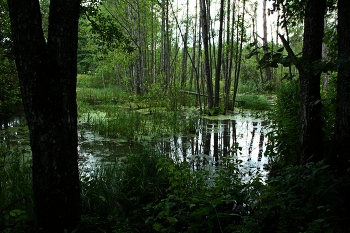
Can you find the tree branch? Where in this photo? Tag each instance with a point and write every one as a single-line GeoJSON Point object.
{"type": "Point", "coordinates": [290, 52]}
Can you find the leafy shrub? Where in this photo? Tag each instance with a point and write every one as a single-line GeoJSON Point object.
{"type": "Point", "coordinates": [300, 198]}
{"type": "Point", "coordinates": [200, 200]}
{"type": "Point", "coordinates": [10, 98]}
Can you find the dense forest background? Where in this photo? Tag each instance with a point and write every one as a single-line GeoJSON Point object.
{"type": "Point", "coordinates": [62, 59]}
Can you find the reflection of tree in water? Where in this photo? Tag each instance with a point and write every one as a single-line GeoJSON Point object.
{"type": "Point", "coordinates": [250, 148]}
{"type": "Point", "coordinates": [226, 138]}
{"type": "Point", "coordinates": [214, 140]}
{"type": "Point", "coordinates": [261, 145]}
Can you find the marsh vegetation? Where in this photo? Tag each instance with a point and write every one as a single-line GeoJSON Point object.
{"type": "Point", "coordinates": [185, 117]}
{"type": "Point", "coordinates": [146, 166]}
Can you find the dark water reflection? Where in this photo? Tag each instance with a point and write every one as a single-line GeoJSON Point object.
{"type": "Point", "coordinates": [210, 142]}
{"type": "Point", "coordinates": [217, 139]}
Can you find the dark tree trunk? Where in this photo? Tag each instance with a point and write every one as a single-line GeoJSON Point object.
{"type": "Point", "coordinates": [167, 46]}
{"type": "Point", "coordinates": [47, 73]}
{"type": "Point", "coordinates": [265, 44]}
{"type": "Point", "coordinates": [185, 50]}
{"type": "Point", "coordinates": [257, 58]}
{"type": "Point", "coordinates": [238, 58]}
{"type": "Point", "coordinates": [229, 52]}
{"type": "Point", "coordinates": [311, 131]}
{"type": "Point", "coordinates": [342, 123]}
{"type": "Point", "coordinates": [218, 64]}
{"type": "Point", "coordinates": [205, 35]}
{"type": "Point", "coordinates": [193, 70]}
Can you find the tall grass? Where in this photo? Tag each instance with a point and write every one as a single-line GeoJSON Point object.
{"type": "Point", "coordinates": [132, 125]}
{"type": "Point", "coordinates": [114, 194]}
{"type": "Point", "coordinates": [285, 138]}
{"type": "Point", "coordinates": [254, 102]}
{"type": "Point", "coordinates": [128, 125]}
{"type": "Point", "coordinates": [16, 203]}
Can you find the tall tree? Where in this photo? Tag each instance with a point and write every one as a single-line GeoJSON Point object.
{"type": "Point", "coordinates": [255, 41]}
{"type": "Point", "coordinates": [47, 70]}
{"type": "Point", "coordinates": [166, 42]}
{"type": "Point", "coordinates": [238, 56]}
{"type": "Point", "coordinates": [342, 123]}
{"type": "Point", "coordinates": [205, 35]}
{"type": "Point", "coordinates": [219, 57]}
{"type": "Point", "coordinates": [193, 70]}
{"type": "Point", "coordinates": [185, 49]}
{"type": "Point", "coordinates": [310, 98]}
{"type": "Point", "coordinates": [265, 44]}
{"type": "Point", "coordinates": [228, 51]}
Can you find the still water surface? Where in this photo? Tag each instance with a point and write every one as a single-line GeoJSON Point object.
{"type": "Point", "coordinates": [213, 139]}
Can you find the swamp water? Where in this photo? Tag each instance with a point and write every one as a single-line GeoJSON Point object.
{"type": "Point", "coordinates": [213, 139]}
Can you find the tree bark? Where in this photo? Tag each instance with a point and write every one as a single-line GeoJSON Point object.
{"type": "Point", "coordinates": [47, 73]}
{"type": "Point", "coordinates": [166, 45]}
{"type": "Point", "coordinates": [229, 52]}
{"type": "Point", "coordinates": [205, 35]}
{"type": "Point", "coordinates": [193, 70]}
{"type": "Point", "coordinates": [218, 64]}
{"type": "Point", "coordinates": [238, 58]}
{"type": "Point", "coordinates": [185, 50]}
{"type": "Point", "coordinates": [257, 58]}
{"type": "Point", "coordinates": [265, 44]}
{"type": "Point", "coordinates": [342, 122]}
{"type": "Point", "coordinates": [310, 98]}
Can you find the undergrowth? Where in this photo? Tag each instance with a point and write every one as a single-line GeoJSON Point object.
{"type": "Point", "coordinates": [148, 192]}
{"type": "Point", "coordinates": [16, 194]}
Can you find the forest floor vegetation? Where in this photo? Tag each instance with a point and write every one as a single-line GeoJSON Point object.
{"type": "Point", "coordinates": [149, 191]}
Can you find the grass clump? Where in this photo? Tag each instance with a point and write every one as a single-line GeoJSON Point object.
{"type": "Point", "coordinates": [285, 136]}
{"type": "Point", "coordinates": [127, 125]}
{"type": "Point", "coordinates": [114, 194]}
{"type": "Point", "coordinates": [253, 102]}
{"type": "Point", "coordinates": [133, 125]}
{"type": "Point", "coordinates": [16, 203]}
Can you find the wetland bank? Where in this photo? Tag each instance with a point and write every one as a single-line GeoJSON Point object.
{"type": "Point", "coordinates": [158, 164]}
{"type": "Point", "coordinates": [184, 135]}
{"type": "Point", "coordinates": [135, 154]}
{"type": "Point", "coordinates": [151, 160]}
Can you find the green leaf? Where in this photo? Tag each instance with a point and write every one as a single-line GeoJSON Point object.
{"type": "Point", "coordinates": [172, 220]}
{"type": "Point", "coordinates": [319, 220]}
{"type": "Point", "coordinates": [103, 198]}
{"type": "Point", "coordinates": [157, 226]}
{"type": "Point", "coordinates": [16, 212]}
